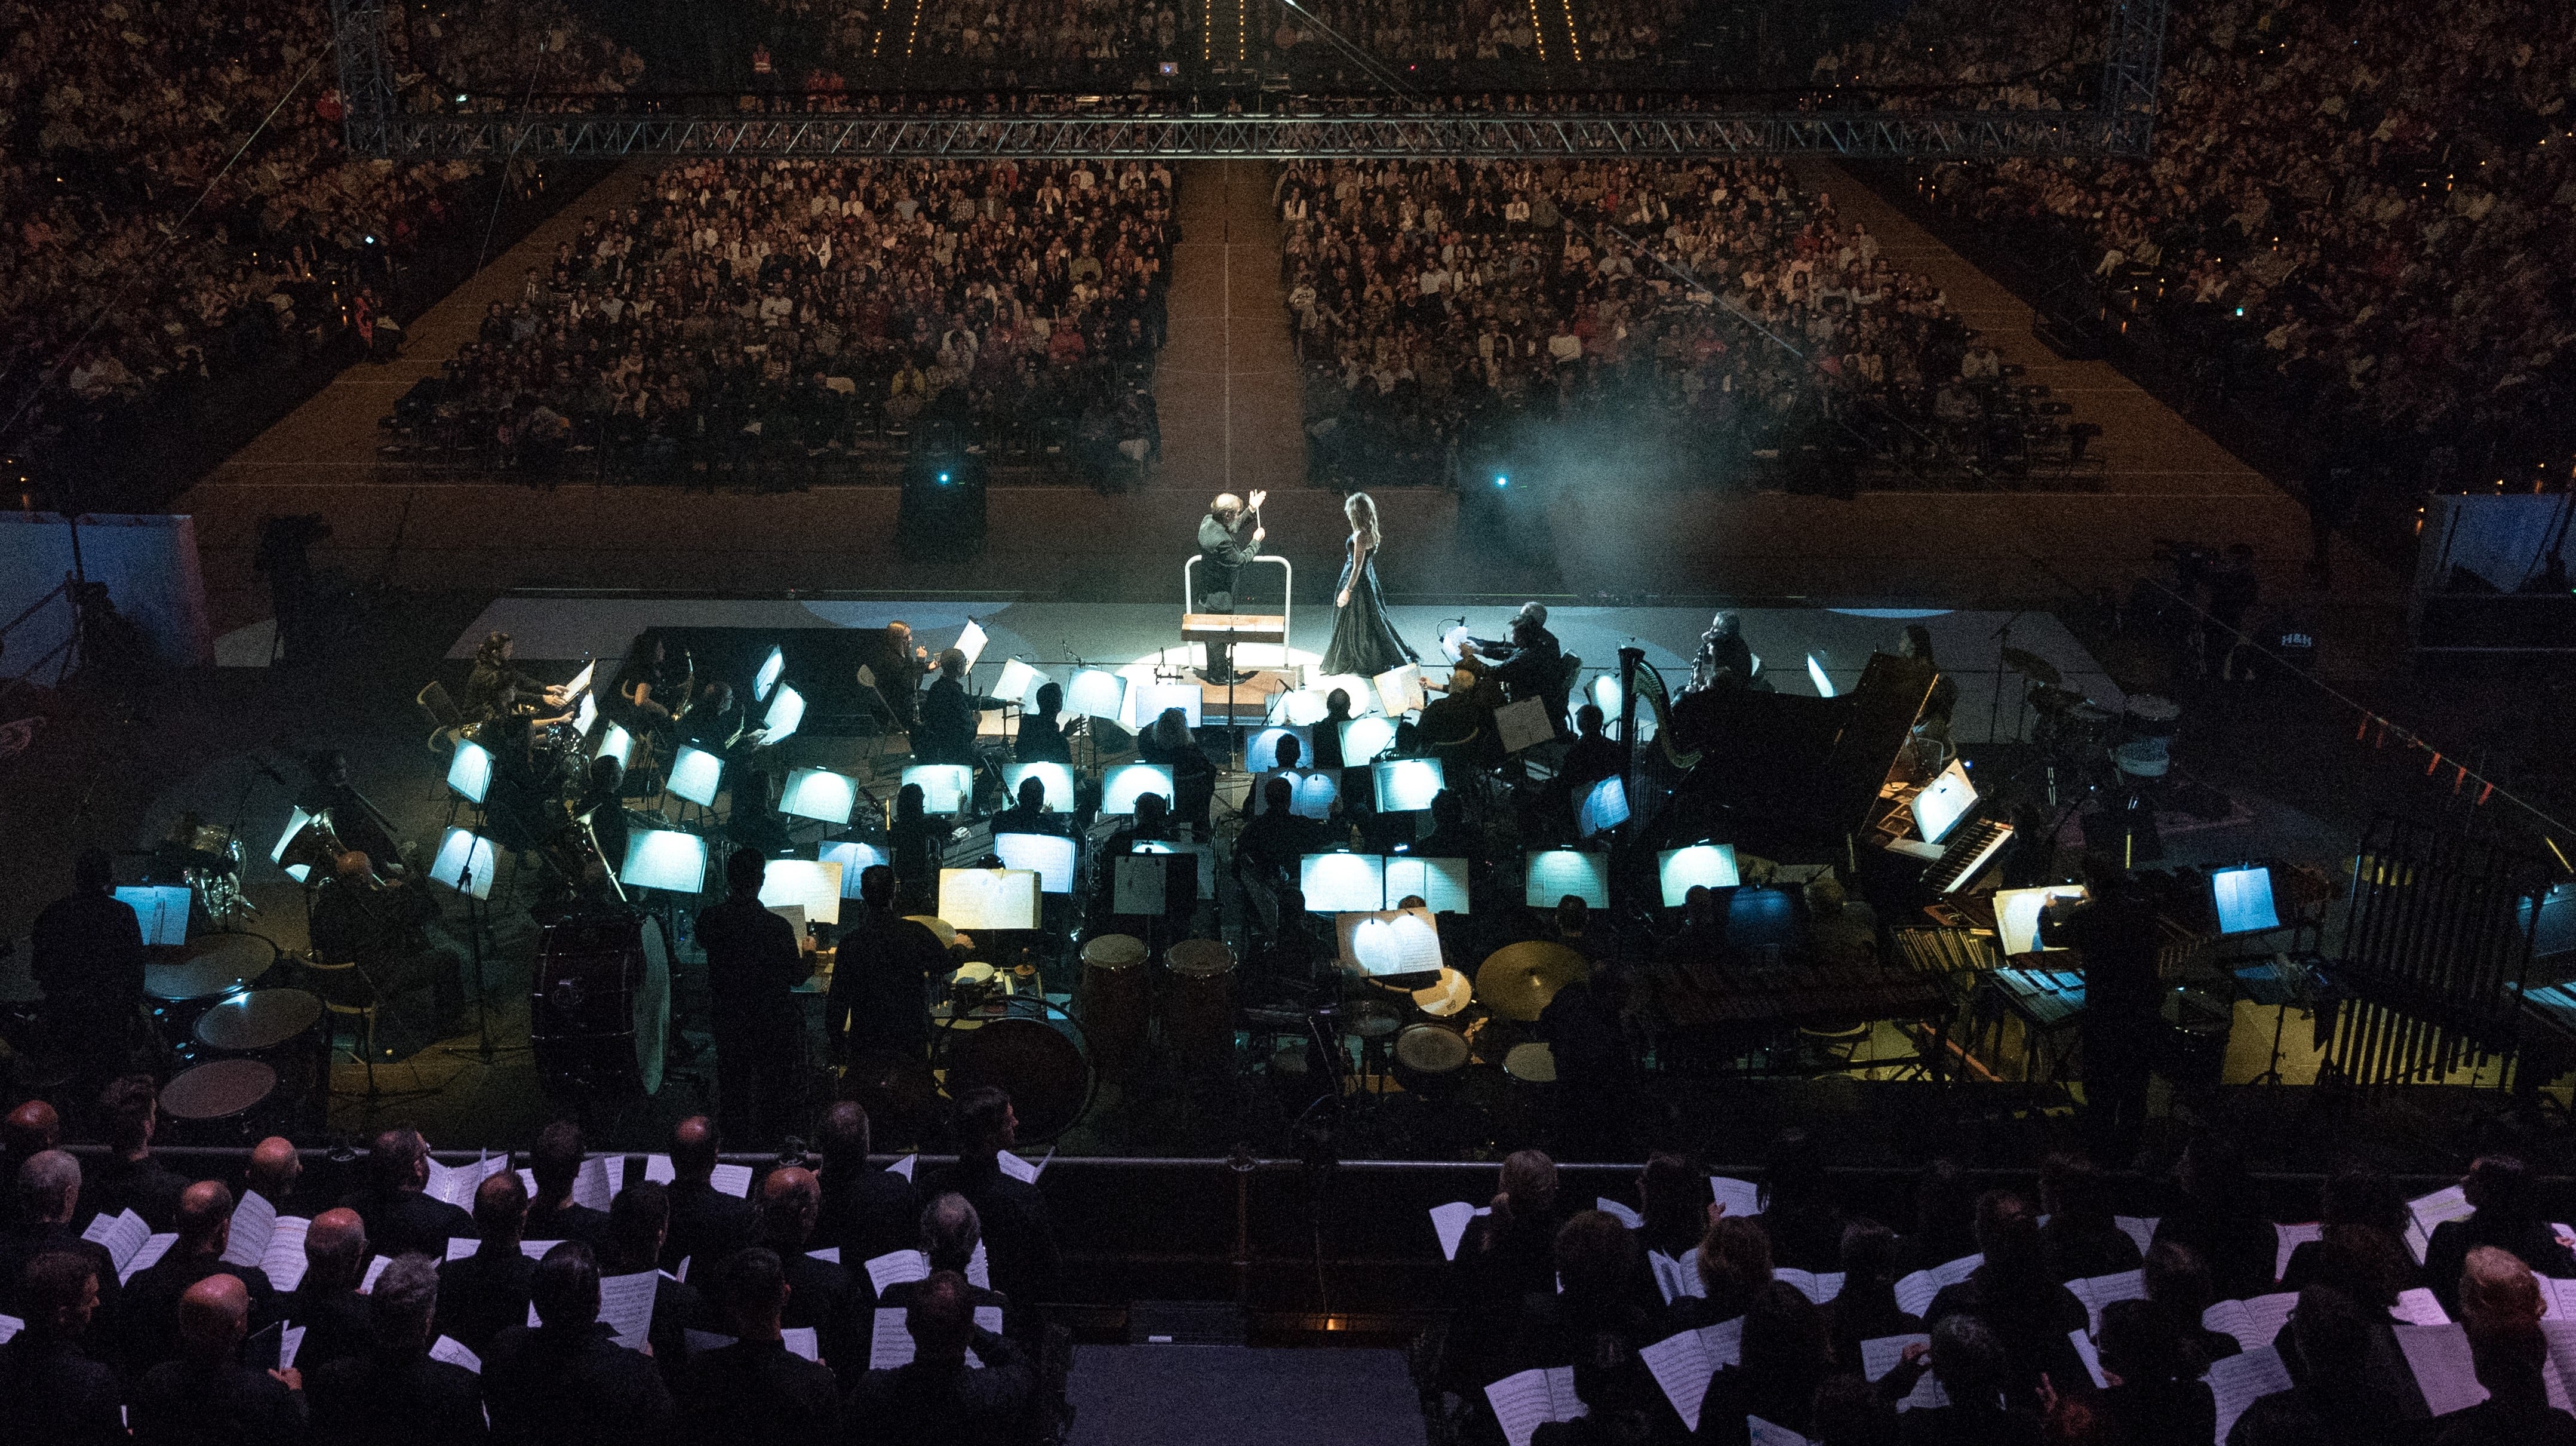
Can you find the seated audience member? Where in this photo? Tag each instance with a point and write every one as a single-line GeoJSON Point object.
{"type": "Point", "coordinates": [2507, 1216]}
{"type": "Point", "coordinates": [148, 1318]}
{"type": "Point", "coordinates": [2327, 1347]}
{"type": "Point", "coordinates": [638, 1227]}
{"type": "Point", "coordinates": [392, 1393]}
{"type": "Point", "coordinates": [1019, 1234]}
{"type": "Point", "coordinates": [706, 1223]}
{"type": "Point", "coordinates": [1786, 1355]}
{"type": "Point", "coordinates": [1798, 1208]}
{"type": "Point", "coordinates": [2221, 1218]}
{"type": "Point", "coordinates": [1503, 1257]}
{"type": "Point", "coordinates": [2011, 1293]}
{"type": "Point", "coordinates": [25, 1132]}
{"type": "Point", "coordinates": [2178, 1287]}
{"type": "Point", "coordinates": [2080, 1240]}
{"type": "Point", "coordinates": [754, 1390]}
{"type": "Point", "coordinates": [480, 1293]}
{"type": "Point", "coordinates": [337, 1321]}
{"type": "Point", "coordinates": [1734, 1266]}
{"type": "Point", "coordinates": [206, 1394]}
{"type": "Point", "coordinates": [401, 1219]}
{"type": "Point", "coordinates": [555, 1163]}
{"type": "Point", "coordinates": [48, 1190]}
{"type": "Point", "coordinates": [1945, 1219]}
{"type": "Point", "coordinates": [130, 1178]}
{"type": "Point", "coordinates": [1865, 1309]}
{"type": "Point", "coordinates": [2362, 1251]}
{"type": "Point", "coordinates": [50, 1389]}
{"type": "Point", "coordinates": [2500, 1308]}
{"type": "Point", "coordinates": [274, 1174]}
{"type": "Point", "coordinates": [1672, 1198]}
{"type": "Point", "coordinates": [566, 1381]}
{"type": "Point", "coordinates": [867, 1211]}
{"type": "Point", "coordinates": [821, 1296]}
{"type": "Point", "coordinates": [1975, 1374]}
{"type": "Point", "coordinates": [2155, 1397]}
{"type": "Point", "coordinates": [939, 1397]}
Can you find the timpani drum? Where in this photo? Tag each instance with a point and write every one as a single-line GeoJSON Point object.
{"type": "Point", "coordinates": [1116, 1001]}
{"type": "Point", "coordinates": [1198, 1010]}
{"type": "Point", "coordinates": [220, 1099]}
{"type": "Point", "coordinates": [210, 968]}
{"type": "Point", "coordinates": [1430, 1060]}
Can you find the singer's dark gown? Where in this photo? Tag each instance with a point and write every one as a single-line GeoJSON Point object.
{"type": "Point", "coordinates": [1364, 642]}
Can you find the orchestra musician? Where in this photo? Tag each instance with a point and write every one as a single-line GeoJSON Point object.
{"type": "Point", "coordinates": [1041, 737]}
{"type": "Point", "coordinates": [1169, 741]}
{"type": "Point", "coordinates": [651, 693]}
{"type": "Point", "coordinates": [494, 674]}
{"type": "Point", "coordinates": [948, 715]}
{"type": "Point", "coordinates": [898, 665]}
{"type": "Point", "coordinates": [356, 822]}
{"type": "Point", "coordinates": [1530, 664]}
{"type": "Point", "coordinates": [1937, 709]}
{"type": "Point", "coordinates": [519, 806]}
{"type": "Point", "coordinates": [1029, 814]}
{"type": "Point", "coordinates": [383, 928]}
{"type": "Point", "coordinates": [1229, 536]}
{"type": "Point", "coordinates": [715, 720]}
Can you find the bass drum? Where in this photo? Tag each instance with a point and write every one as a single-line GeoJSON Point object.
{"type": "Point", "coordinates": [601, 1013]}
{"type": "Point", "coordinates": [1038, 1061]}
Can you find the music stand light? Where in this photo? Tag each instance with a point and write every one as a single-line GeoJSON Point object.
{"type": "Point", "coordinates": [1554, 873]}
{"type": "Point", "coordinates": [855, 857]}
{"type": "Point", "coordinates": [1391, 941]}
{"type": "Point", "coordinates": [1363, 739]}
{"type": "Point", "coordinates": [469, 777]}
{"type": "Point", "coordinates": [1604, 808]}
{"type": "Point", "coordinates": [816, 886]}
{"type": "Point", "coordinates": [1299, 707]}
{"type": "Point", "coordinates": [1406, 785]}
{"type": "Point", "coordinates": [1096, 693]}
{"type": "Point", "coordinates": [1441, 884]}
{"type": "Point", "coordinates": [695, 775]}
{"type": "Point", "coordinates": [1127, 782]}
{"type": "Point", "coordinates": [458, 850]}
{"type": "Point", "coordinates": [1057, 778]}
{"type": "Point", "coordinates": [770, 669]}
{"type": "Point", "coordinates": [1695, 866]}
{"type": "Point", "coordinates": [665, 859]}
{"type": "Point", "coordinates": [944, 787]}
{"type": "Point", "coordinates": [819, 794]}
{"type": "Point", "coordinates": [786, 710]}
{"type": "Point", "coordinates": [1049, 856]}
{"type": "Point", "coordinates": [616, 743]}
{"type": "Point", "coordinates": [1340, 883]}
{"type": "Point", "coordinates": [1607, 697]}
{"type": "Point", "coordinates": [1261, 755]}
{"type": "Point", "coordinates": [1019, 683]}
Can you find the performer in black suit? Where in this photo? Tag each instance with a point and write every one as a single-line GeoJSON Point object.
{"type": "Point", "coordinates": [1229, 536]}
{"type": "Point", "coordinates": [1530, 665]}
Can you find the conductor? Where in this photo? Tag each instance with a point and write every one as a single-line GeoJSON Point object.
{"type": "Point", "coordinates": [1229, 536]}
{"type": "Point", "coordinates": [88, 958]}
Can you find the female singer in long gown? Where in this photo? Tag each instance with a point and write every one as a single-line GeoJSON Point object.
{"type": "Point", "coordinates": [1364, 642]}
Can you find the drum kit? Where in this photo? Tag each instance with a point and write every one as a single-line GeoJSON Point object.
{"type": "Point", "coordinates": [2077, 737]}
{"type": "Point", "coordinates": [1421, 1034]}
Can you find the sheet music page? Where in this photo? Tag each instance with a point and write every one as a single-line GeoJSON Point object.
{"type": "Point", "coordinates": [734, 1180]}
{"type": "Point", "coordinates": [2239, 1381]}
{"type": "Point", "coordinates": [979, 1268]}
{"type": "Point", "coordinates": [626, 1304]}
{"type": "Point", "coordinates": [1441, 883]}
{"type": "Point", "coordinates": [698, 1341]}
{"type": "Point", "coordinates": [461, 1246]}
{"type": "Point", "coordinates": [2439, 1357]}
{"type": "Point", "coordinates": [2142, 1229]}
{"type": "Point", "coordinates": [284, 1260]}
{"type": "Point", "coordinates": [1137, 884]}
{"type": "Point", "coordinates": [1818, 1287]}
{"type": "Point", "coordinates": [1880, 1356]}
{"type": "Point", "coordinates": [1525, 1402]}
{"type": "Point", "coordinates": [1764, 1433]}
{"type": "Point", "coordinates": [1395, 942]}
{"type": "Point", "coordinates": [1619, 1212]}
{"type": "Point", "coordinates": [903, 1166]}
{"type": "Point", "coordinates": [2432, 1210]}
{"type": "Point", "coordinates": [123, 1235]}
{"type": "Point", "coordinates": [890, 1342]}
{"type": "Point", "coordinates": [153, 1249]}
{"type": "Point", "coordinates": [1915, 1292]}
{"type": "Point", "coordinates": [2290, 1238]}
{"type": "Point", "coordinates": [1676, 1278]}
{"type": "Point", "coordinates": [2418, 1307]}
{"type": "Point", "coordinates": [1450, 1221]}
{"type": "Point", "coordinates": [448, 1349]}
{"type": "Point", "coordinates": [2092, 1358]}
{"type": "Point", "coordinates": [1740, 1197]}
{"type": "Point", "coordinates": [596, 1183]}
{"type": "Point", "coordinates": [1317, 791]}
{"type": "Point", "coordinates": [802, 1341]}
{"type": "Point", "coordinates": [456, 1184]}
{"type": "Point", "coordinates": [896, 1267]}
{"type": "Point", "coordinates": [1522, 725]}
{"type": "Point", "coordinates": [657, 1169]}
{"type": "Point", "coordinates": [1399, 689]}
{"type": "Point", "coordinates": [254, 1221]}
{"type": "Point", "coordinates": [289, 1341]}
{"type": "Point", "coordinates": [831, 1253]}
{"type": "Point", "coordinates": [2100, 1290]}
{"type": "Point", "coordinates": [1021, 1170]}
{"type": "Point", "coordinates": [10, 1325]}
{"type": "Point", "coordinates": [1680, 1364]}
{"type": "Point", "coordinates": [375, 1267]}
{"type": "Point", "coordinates": [2253, 1322]}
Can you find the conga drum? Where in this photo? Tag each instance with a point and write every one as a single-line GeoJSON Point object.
{"type": "Point", "coordinates": [1116, 1001]}
{"type": "Point", "coordinates": [1198, 1012]}
{"type": "Point", "coordinates": [1430, 1060]}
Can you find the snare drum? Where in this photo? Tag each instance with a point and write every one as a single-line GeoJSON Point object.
{"type": "Point", "coordinates": [1430, 1060]}
{"type": "Point", "coordinates": [221, 1099]}
{"type": "Point", "coordinates": [1115, 1002]}
{"type": "Point", "coordinates": [1198, 1010]}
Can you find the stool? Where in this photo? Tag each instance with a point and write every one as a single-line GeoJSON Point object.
{"type": "Point", "coordinates": [340, 986]}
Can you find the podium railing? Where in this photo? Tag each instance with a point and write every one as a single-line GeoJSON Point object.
{"type": "Point", "coordinates": [1287, 592]}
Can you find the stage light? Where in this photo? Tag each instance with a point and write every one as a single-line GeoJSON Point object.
{"type": "Point", "coordinates": [470, 776]}
{"type": "Point", "coordinates": [1502, 481]}
{"type": "Point", "coordinates": [1342, 883]}
{"type": "Point", "coordinates": [989, 898]}
{"type": "Point", "coordinates": [1406, 785]}
{"type": "Point", "coordinates": [1607, 697]}
{"type": "Point", "coordinates": [1698, 866]}
{"type": "Point", "coordinates": [1057, 779]}
{"type": "Point", "coordinates": [1049, 856]}
{"type": "Point", "coordinates": [616, 743]}
{"type": "Point", "coordinates": [855, 858]}
{"type": "Point", "coordinates": [1363, 739]}
{"type": "Point", "coordinates": [820, 794]}
{"type": "Point", "coordinates": [1604, 808]}
{"type": "Point", "coordinates": [1124, 784]}
{"type": "Point", "coordinates": [1554, 873]}
{"type": "Point", "coordinates": [944, 787]}
{"type": "Point", "coordinates": [813, 885]}
{"type": "Point", "coordinates": [943, 477]}
{"type": "Point", "coordinates": [1816, 675]}
{"type": "Point", "coordinates": [666, 859]}
{"type": "Point", "coordinates": [785, 711]}
{"type": "Point", "coordinates": [2244, 900]}
{"type": "Point", "coordinates": [767, 677]}
{"type": "Point", "coordinates": [1096, 693]}
{"type": "Point", "coordinates": [695, 775]}
{"type": "Point", "coordinates": [460, 850]}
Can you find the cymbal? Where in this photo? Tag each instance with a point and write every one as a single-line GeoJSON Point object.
{"type": "Point", "coordinates": [2032, 666]}
{"type": "Point", "coordinates": [1518, 980]}
{"type": "Point", "coordinates": [2048, 699]}
{"type": "Point", "coordinates": [1446, 997]}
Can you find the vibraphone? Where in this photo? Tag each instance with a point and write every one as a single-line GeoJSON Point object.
{"type": "Point", "coordinates": [1717, 1015]}
{"type": "Point", "coordinates": [2047, 1002]}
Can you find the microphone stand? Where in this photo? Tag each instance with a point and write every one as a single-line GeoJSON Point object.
{"type": "Point", "coordinates": [1995, 704]}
